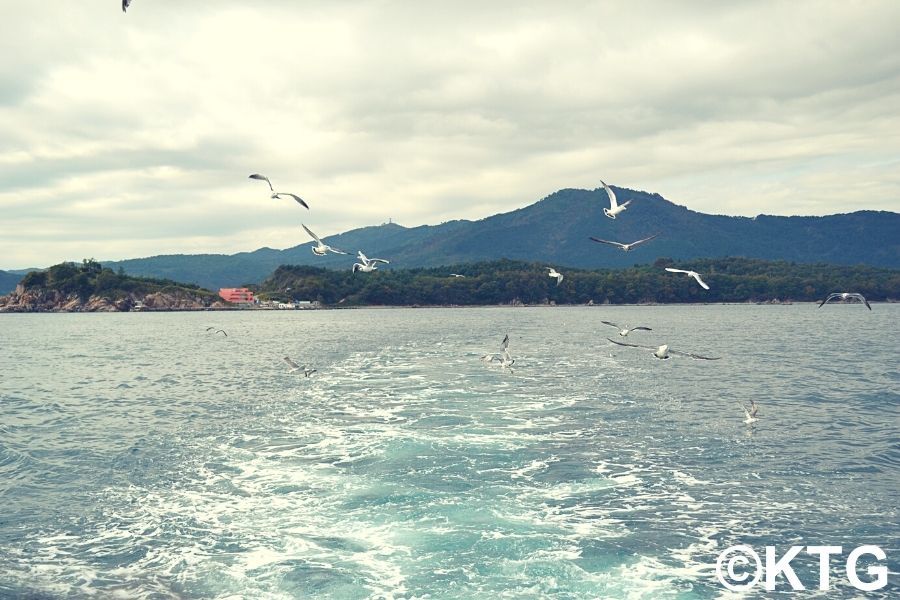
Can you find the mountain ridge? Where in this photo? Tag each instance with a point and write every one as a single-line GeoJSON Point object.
{"type": "Point", "coordinates": [556, 230]}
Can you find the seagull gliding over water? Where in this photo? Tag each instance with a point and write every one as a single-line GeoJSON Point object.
{"type": "Point", "coordinates": [295, 367]}
{"type": "Point", "coordinates": [693, 274]}
{"type": "Point", "coordinates": [663, 352]}
{"type": "Point", "coordinates": [624, 331]}
{"type": "Point", "coordinates": [844, 297]}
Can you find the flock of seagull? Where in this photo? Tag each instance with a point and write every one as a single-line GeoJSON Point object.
{"type": "Point", "coordinates": [662, 352]}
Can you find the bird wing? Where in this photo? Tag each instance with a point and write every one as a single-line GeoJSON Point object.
{"type": "Point", "coordinates": [381, 260]}
{"type": "Point", "coordinates": [632, 244]}
{"type": "Point", "coordinates": [295, 197]}
{"type": "Point", "coordinates": [210, 327]}
{"type": "Point", "coordinates": [262, 178]}
{"type": "Point", "coordinates": [613, 203]}
{"type": "Point", "coordinates": [641, 329]}
{"type": "Point", "coordinates": [505, 343]}
{"type": "Point", "coordinates": [356, 267]}
{"type": "Point", "coordinates": [335, 250]}
{"type": "Point", "coordinates": [700, 281]}
{"type": "Point", "coordinates": [291, 363]}
{"type": "Point", "coordinates": [362, 257]}
{"type": "Point", "coordinates": [611, 324]}
{"type": "Point", "coordinates": [861, 298]}
{"type": "Point", "coordinates": [830, 297]}
{"type": "Point", "coordinates": [671, 270]}
{"type": "Point", "coordinates": [125, 4]}
{"type": "Point", "coordinates": [222, 331]}
{"type": "Point", "coordinates": [599, 241]}
{"type": "Point", "coordinates": [632, 345]}
{"type": "Point", "coordinates": [311, 234]}
{"type": "Point", "coordinates": [697, 356]}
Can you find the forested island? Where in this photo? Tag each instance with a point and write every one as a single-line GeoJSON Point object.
{"type": "Point", "coordinates": [89, 287]}
{"type": "Point", "coordinates": [512, 282]}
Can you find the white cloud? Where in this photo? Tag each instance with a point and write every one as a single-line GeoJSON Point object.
{"type": "Point", "coordinates": [130, 135]}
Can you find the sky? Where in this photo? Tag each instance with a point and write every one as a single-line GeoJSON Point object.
{"type": "Point", "coordinates": [131, 135]}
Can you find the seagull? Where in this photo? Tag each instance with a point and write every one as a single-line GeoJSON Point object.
{"type": "Point", "coordinates": [751, 413]}
{"type": "Point", "coordinates": [693, 274]}
{"type": "Point", "coordinates": [663, 352]}
{"type": "Point", "coordinates": [624, 331]}
{"type": "Point", "coordinates": [222, 331]}
{"type": "Point", "coordinates": [554, 273]}
{"type": "Point", "coordinates": [368, 264]}
{"type": "Point", "coordinates": [614, 207]}
{"type": "Point", "coordinates": [503, 357]}
{"type": "Point", "coordinates": [279, 194]}
{"type": "Point", "coordinates": [295, 367]}
{"type": "Point", "coordinates": [845, 296]}
{"type": "Point", "coordinates": [321, 248]}
{"type": "Point", "coordinates": [456, 275]}
{"type": "Point", "coordinates": [625, 247]}
{"type": "Point", "coordinates": [125, 4]}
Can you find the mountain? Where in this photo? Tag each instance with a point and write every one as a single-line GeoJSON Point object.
{"type": "Point", "coordinates": [555, 230]}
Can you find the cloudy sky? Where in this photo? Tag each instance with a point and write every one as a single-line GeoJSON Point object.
{"type": "Point", "coordinates": [127, 135]}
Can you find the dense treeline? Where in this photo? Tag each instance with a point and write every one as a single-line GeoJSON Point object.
{"type": "Point", "coordinates": [90, 278]}
{"type": "Point", "coordinates": [505, 281]}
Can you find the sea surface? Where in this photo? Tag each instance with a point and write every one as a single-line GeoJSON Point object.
{"type": "Point", "coordinates": [144, 457]}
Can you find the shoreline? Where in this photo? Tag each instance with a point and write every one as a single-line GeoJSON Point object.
{"type": "Point", "coordinates": [417, 307]}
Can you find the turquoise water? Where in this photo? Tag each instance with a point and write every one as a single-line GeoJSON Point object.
{"type": "Point", "coordinates": [141, 457]}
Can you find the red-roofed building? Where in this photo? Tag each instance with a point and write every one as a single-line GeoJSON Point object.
{"type": "Point", "coordinates": [237, 295]}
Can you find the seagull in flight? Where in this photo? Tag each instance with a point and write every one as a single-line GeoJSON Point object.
{"type": "Point", "coordinates": [663, 352]}
{"type": "Point", "coordinates": [275, 194]}
{"type": "Point", "coordinates": [554, 273]}
{"type": "Point", "coordinates": [457, 275]}
{"type": "Point", "coordinates": [624, 247]}
{"type": "Point", "coordinates": [503, 357]}
{"type": "Point", "coordinates": [750, 413]}
{"type": "Point", "coordinates": [125, 4]}
{"type": "Point", "coordinates": [844, 297]}
{"type": "Point", "coordinates": [367, 265]}
{"type": "Point", "coordinates": [295, 367]}
{"type": "Point", "coordinates": [624, 331]}
{"type": "Point", "coordinates": [614, 207]}
{"type": "Point", "coordinates": [222, 331]}
{"type": "Point", "coordinates": [321, 248]}
{"type": "Point", "coordinates": [693, 274]}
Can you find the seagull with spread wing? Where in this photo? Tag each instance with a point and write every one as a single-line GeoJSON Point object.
{"type": "Point", "coordinates": [321, 248]}
{"type": "Point", "coordinates": [125, 5]}
{"type": "Point", "coordinates": [624, 247]}
{"type": "Point", "coordinates": [846, 297]}
{"type": "Point", "coordinates": [295, 367]}
{"type": "Point", "coordinates": [367, 265]}
{"type": "Point", "coordinates": [554, 273]}
{"type": "Point", "coordinates": [624, 331]}
{"type": "Point", "coordinates": [614, 206]}
{"type": "Point", "coordinates": [275, 194]}
{"type": "Point", "coordinates": [693, 274]}
{"type": "Point", "coordinates": [663, 352]}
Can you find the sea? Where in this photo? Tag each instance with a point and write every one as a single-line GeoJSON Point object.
{"type": "Point", "coordinates": [144, 456]}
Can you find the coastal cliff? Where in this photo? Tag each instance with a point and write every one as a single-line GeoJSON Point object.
{"type": "Point", "coordinates": [88, 287]}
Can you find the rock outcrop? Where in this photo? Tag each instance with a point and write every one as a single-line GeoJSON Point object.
{"type": "Point", "coordinates": [40, 300]}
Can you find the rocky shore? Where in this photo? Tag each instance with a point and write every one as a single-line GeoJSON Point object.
{"type": "Point", "coordinates": [43, 300]}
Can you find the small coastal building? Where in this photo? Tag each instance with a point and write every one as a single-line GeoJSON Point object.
{"type": "Point", "coordinates": [237, 295]}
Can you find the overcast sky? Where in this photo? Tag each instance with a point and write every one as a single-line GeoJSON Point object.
{"type": "Point", "coordinates": [128, 135]}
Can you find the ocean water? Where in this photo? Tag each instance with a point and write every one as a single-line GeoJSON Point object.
{"type": "Point", "coordinates": [142, 457]}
